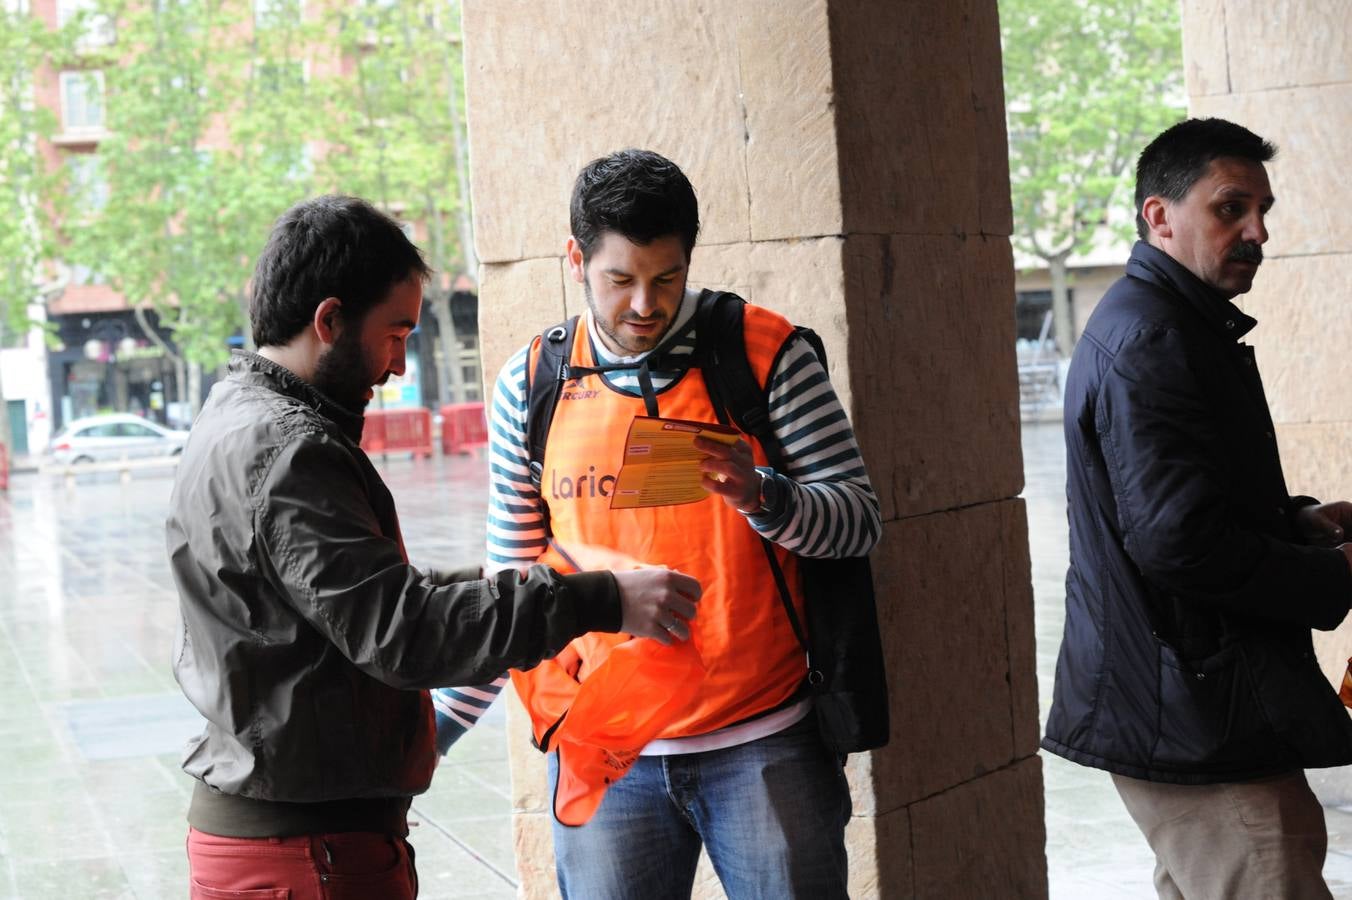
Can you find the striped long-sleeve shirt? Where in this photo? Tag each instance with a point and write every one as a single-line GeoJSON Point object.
{"type": "Point", "coordinates": [830, 509]}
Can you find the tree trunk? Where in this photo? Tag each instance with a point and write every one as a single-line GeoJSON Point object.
{"type": "Point", "coordinates": [461, 168]}
{"type": "Point", "coordinates": [1063, 318]}
{"type": "Point", "coordinates": [441, 308]}
{"type": "Point", "coordinates": [194, 389]}
{"type": "Point", "coordinates": [180, 382]}
{"type": "Point", "coordinates": [450, 351]}
{"type": "Point", "coordinates": [153, 336]}
{"type": "Point", "coordinates": [5, 437]}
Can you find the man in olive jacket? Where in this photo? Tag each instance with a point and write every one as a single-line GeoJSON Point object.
{"type": "Point", "coordinates": [1195, 577]}
{"type": "Point", "coordinates": [308, 642]}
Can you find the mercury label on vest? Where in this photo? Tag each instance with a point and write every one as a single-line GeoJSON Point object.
{"type": "Point", "coordinates": [579, 395]}
{"type": "Point", "coordinates": [587, 484]}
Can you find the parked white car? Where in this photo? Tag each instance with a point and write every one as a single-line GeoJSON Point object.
{"type": "Point", "coordinates": [113, 437]}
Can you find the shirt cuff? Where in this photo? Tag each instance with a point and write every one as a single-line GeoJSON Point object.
{"type": "Point", "coordinates": [448, 732]}
{"type": "Point", "coordinates": [596, 599]}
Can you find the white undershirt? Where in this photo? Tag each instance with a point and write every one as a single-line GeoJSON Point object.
{"type": "Point", "coordinates": [731, 736]}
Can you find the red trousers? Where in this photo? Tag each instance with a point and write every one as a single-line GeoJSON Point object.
{"type": "Point", "coordinates": [348, 866]}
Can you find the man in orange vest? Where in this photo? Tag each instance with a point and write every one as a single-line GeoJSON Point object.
{"type": "Point", "coordinates": [742, 771]}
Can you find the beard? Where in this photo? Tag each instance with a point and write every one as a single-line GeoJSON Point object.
{"type": "Point", "coordinates": [630, 344]}
{"type": "Point", "coordinates": [342, 374]}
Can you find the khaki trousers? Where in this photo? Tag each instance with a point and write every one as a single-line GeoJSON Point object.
{"type": "Point", "coordinates": [1263, 839]}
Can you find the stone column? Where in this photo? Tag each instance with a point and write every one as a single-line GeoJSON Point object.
{"type": "Point", "coordinates": [1284, 70]}
{"type": "Point", "coordinates": [850, 160]}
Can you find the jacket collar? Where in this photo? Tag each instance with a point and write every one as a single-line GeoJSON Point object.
{"type": "Point", "coordinates": [251, 367]}
{"type": "Point", "coordinates": [1153, 265]}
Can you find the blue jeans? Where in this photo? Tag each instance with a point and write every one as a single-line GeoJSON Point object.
{"type": "Point", "coordinates": [771, 814]}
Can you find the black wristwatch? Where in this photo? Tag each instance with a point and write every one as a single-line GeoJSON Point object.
{"type": "Point", "coordinates": [769, 493]}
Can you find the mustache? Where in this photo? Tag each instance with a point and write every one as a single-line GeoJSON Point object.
{"type": "Point", "coordinates": [1246, 251]}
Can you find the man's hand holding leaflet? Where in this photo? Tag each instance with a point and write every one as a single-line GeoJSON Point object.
{"type": "Point", "coordinates": [662, 464]}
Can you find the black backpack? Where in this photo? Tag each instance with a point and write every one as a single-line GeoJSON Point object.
{"type": "Point", "coordinates": [846, 678]}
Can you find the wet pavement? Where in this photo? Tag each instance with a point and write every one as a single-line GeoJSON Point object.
{"type": "Point", "coordinates": [92, 800]}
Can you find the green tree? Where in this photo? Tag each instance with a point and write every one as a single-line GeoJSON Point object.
{"type": "Point", "coordinates": [28, 190]}
{"type": "Point", "coordinates": [396, 131]}
{"type": "Point", "coordinates": [207, 117]}
{"type": "Point", "coordinates": [1087, 84]}
{"type": "Point", "coordinates": [220, 114]}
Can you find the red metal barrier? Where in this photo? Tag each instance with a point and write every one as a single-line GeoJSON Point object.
{"type": "Point", "coordinates": [463, 428]}
{"type": "Point", "coordinates": [4, 468]}
{"type": "Point", "coordinates": [398, 431]}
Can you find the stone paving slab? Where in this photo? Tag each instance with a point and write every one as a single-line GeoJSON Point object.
{"type": "Point", "coordinates": [120, 727]}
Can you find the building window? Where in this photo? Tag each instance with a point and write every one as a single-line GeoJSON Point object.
{"type": "Point", "coordinates": [82, 101]}
{"type": "Point", "coordinates": [82, 275]}
{"type": "Point", "coordinates": [374, 10]}
{"type": "Point", "coordinates": [280, 77]}
{"type": "Point", "coordinates": [1031, 309]}
{"type": "Point", "coordinates": [276, 13]}
{"type": "Point", "coordinates": [88, 186]}
{"type": "Point", "coordinates": [302, 166]}
{"type": "Point", "coordinates": [97, 30]}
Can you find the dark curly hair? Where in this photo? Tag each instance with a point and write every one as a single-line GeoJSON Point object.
{"type": "Point", "coordinates": [330, 246]}
{"type": "Point", "coordinates": [636, 193]}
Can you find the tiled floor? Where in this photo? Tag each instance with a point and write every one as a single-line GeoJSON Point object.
{"type": "Point", "coordinates": [91, 797]}
{"type": "Point", "coordinates": [92, 801]}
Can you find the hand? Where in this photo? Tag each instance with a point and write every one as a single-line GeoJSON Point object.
{"type": "Point", "coordinates": [730, 472]}
{"type": "Point", "coordinates": [657, 603]}
{"type": "Point", "coordinates": [1325, 524]}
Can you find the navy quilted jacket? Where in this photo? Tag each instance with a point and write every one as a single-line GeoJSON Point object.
{"type": "Point", "coordinates": [1190, 597]}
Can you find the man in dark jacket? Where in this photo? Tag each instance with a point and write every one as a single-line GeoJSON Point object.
{"type": "Point", "coordinates": [308, 642]}
{"type": "Point", "coordinates": [1187, 668]}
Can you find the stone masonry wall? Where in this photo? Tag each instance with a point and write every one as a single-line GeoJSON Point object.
{"type": "Point", "coordinates": [849, 157]}
{"type": "Point", "coordinates": [1284, 70]}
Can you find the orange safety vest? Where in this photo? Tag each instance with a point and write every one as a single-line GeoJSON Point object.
{"type": "Point", "coordinates": [752, 659]}
{"type": "Point", "coordinates": [599, 723]}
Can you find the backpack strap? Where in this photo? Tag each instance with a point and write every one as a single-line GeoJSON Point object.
{"type": "Point", "coordinates": [721, 347]}
{"type": "Point", "coordinates": [544, 384]}
{"type": "Point", "coordinates": [846, 671]}
{"type": "Point", "coordinates": [737, 396]}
